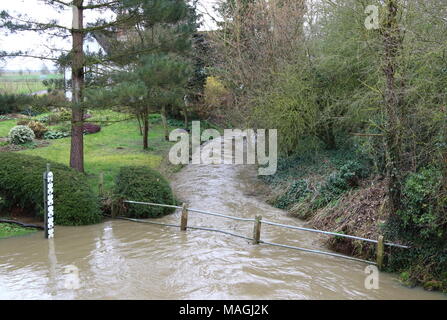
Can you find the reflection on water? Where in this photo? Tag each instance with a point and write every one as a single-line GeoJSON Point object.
{"type": "Point", "coordinates": [126, 260]}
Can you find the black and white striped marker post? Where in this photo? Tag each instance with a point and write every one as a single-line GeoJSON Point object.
{"type": "Point", "coordinates": [48, 203]}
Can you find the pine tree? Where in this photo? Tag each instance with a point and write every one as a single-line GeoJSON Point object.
{"type": "Point", "coordinates": [136, 15]}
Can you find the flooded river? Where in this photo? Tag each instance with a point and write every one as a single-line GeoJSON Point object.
{"type": "Point", "coordinates": [126, 260]}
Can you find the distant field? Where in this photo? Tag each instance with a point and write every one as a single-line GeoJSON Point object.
{"type": "Point", "coordinates": [24, 87]}
{"type": "Point", "coordinates": [24, 83]}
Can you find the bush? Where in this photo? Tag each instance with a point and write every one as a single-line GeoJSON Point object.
{"type": "Point", "coordinates": [346, 178]}
{"type": "Point", "coordinates": [21, 184]}
{"type": "Point", "coordinates": [64, 115]}
{"type": "Point", "coordinates": [52, 135]}
{"type": "Point", "coordinates": [38, 128]}
{"type": "Point", "coordinates": [21, 135]}
{"type": "Point", "coordinates": [23, 122]}
{"type": "Point", "coordinates": [143, 184]}
{"type": "Point", "coordinates": [10, 103]}
{"type": "Point", "coordinates": [424, 203]}
{"type": "Point", "coordinates": [297, 191]}
{"type": "Point", "coordinates": [91, 128]}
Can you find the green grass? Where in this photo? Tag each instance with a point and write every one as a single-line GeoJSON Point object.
{"type": "Point", "coordinates": [5, 126]}
{"type": "Point", "coordinates": [11, 230]}
{"type": "Point", "coordinates": [116, 145]}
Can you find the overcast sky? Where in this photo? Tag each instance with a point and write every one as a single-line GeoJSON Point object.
{"type": "Point", "coordinates": [40, 43]}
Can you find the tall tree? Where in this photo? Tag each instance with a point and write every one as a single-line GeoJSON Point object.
{"type": "Point", "coordinates": [131, 17]}
{"type": "Point", "coordinates": [393, 96]}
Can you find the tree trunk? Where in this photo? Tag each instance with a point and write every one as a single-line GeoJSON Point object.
{"type": "Point", "coordinates": [393, 103]}
{"type": "Point", "coordinates": [165, 122]}
{"type": "Point", "coordinates": [185, 110]}
{"type": "Point", "coordinates": [140, 125]}
{"type": "Point", "coordinates": [77, 76]}
{"type": "Point", "coordinates": [145, 130]}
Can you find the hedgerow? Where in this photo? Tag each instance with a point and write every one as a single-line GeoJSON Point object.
{"type": "Point", "coordinates": [21, 185]}
{"type": "Point", "coordinates": [146, 185]}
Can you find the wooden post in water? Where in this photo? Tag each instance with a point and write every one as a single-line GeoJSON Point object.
{"type": "Point", "coordinates": [257, 230]}
{"type": "Point", "coordinates": [380, 252]}
{"type": "Point", "coordinates": [184, 219]}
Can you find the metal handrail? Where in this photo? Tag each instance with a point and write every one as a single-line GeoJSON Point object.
{"type": "Point", "coordinates": [331, 233]}
{"type": "Point", "coordinates": [271, 223]}
{"type": "Point", "coordinates": [316, 251]}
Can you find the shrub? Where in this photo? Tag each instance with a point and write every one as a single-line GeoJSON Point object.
{"type": "Point", "coordinates": [21, 135]}
{"type": "Point", "coordinates": [23, 122]}
{"type": "Point", "coordinates": [297, 191]}
{"type": "Point", "coordinates": [4, 118]}
{"type": "Point", "coordinates": [52, 135]}
{"type": "Point", "coordinates": [346, 178]}
{"type": "Point", "coordinates": [154, 118]}
{"type": "Point", "coordinates": [21, 184]}
{"type": "Point", "coordinates": [424, 203]}
{"type": "Point", "coordinates": [64, 115]}
{"type": "Point", "coordinates": [143, 184]}
{"type": "Point", "coordinates": [10, 103]}
{"type": "Point", "coordinates": [91, 128]}
{"type": "Point", "coordinates": [38, 128]}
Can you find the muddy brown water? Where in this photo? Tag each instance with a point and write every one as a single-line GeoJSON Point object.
{"type": "Point", "coordinates": [126, 260]}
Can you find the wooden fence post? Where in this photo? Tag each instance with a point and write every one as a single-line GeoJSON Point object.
{"type": "Point", "coordinates": [101, 184]}
{"type": "Point", "coordinates": [257, 229]}
{"type": "Point", "coordinates": [380, 252]}
{"type": "Point", "coordinates": [184, 219]}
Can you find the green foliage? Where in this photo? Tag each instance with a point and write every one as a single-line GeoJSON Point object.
{"type": "Point", "coordinates": [346, 178]}
{"type": "Point", "coordinates": [297, 191]}
{"type": "Point", "coordinates": [21, 184]}
{"type": "Point", "coordinates": [10, 103]}
{"type": "Point", "coordinates": [146, 185]}
{"type": "Point", "coordinates": [155, 118]}
{"type": "Point", "coordinates": [422, 223]}
{"type": "Point", "coordinates": [424, 203]}
{"type": "Point", "coordinates": [21, 135]}
{"type": "Point", "coordinates": [52, 135]}
{"type": "Point", "coordinates": [38, 128]}
{"type": "Point", "coordinates": [12, 230]}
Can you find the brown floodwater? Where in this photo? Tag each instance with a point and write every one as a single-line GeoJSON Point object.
{"type": "Point", "coordinates": [120, 259]}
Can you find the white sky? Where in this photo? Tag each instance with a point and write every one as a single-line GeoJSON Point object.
{"type": "Point", "coordinates": [39, 43]}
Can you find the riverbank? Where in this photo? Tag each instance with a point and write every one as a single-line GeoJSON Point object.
{"type": "Point", "coordinates": [338, 191]}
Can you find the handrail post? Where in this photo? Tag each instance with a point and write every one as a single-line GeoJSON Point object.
{"type": "Point", "coordinates": [257, 230]}
{"type": "Point", "coordinates": [379, 252]}
{"type": "Point", "coordinates": [184, 219]}
{"type": "Point", "coordinates": [101, 184]}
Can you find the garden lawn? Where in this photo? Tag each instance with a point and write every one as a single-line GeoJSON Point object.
{"type": "Point", "coordinates": [10, 230]}
{"type": "Point", "coordinates": [5, 126]}
{"type": "Point", "coordinates": [116, 145]}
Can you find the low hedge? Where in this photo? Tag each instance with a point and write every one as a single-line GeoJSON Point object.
{"type": "Point", "coordinates": [21, 185]}
{"type": "Point", "coordinates": [146, 185]}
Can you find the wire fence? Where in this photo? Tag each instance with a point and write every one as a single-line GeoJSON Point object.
{"type": "Point", "coordinates": [256, 239]}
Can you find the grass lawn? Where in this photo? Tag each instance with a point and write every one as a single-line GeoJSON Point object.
{"type": "Point", "coordinates": [118, 144]}
{"type": "Point", "coordinates": [11, 230]}
{"type": "Point", "coordinates": [5, 126]}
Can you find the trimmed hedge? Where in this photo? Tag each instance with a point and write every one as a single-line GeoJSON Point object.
{"type": "Point", "coordinates": [146, 185]}
{"type": "Point", "coordinates": [21, 185]}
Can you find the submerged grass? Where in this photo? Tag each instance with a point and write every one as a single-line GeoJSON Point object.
{"type": "Point", "coordinates": [10, 230]}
